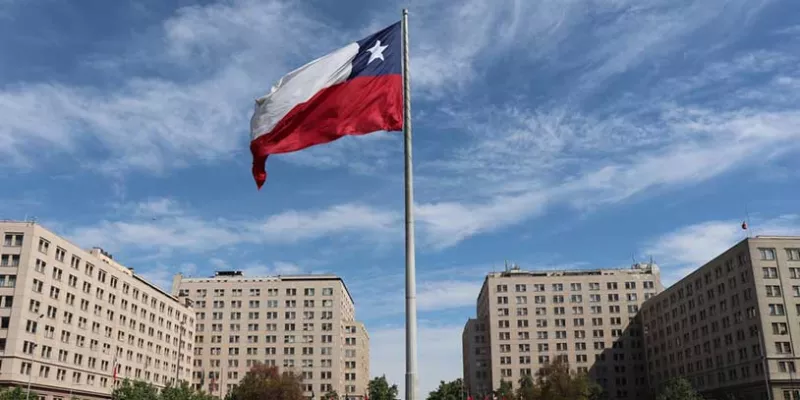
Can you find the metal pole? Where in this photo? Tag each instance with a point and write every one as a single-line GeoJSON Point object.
{"type": "Point", "coordinates": [411, 285]}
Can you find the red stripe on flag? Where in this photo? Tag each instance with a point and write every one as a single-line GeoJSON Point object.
{"type": "Point", "coordinates": [355, 107]}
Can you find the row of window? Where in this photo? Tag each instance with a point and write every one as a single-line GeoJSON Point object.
{"type": "Point", "coordinates": [255, 292]}
{"type": "Point", "coordinates": [255, 315]}
{"type": "Point", "coordinates": [102, 277]}
{"type": "Point", "coordinates": [268, 304]}
{"type": "Point", "coordinates": [575, 298]}
{"type": "Point", "coordinates": [82, 322]}
{"type": "Point", "coordinates": [575, 287]}
{"type": "Point", "coordinates": [578, 334]}
{"type": "Point", "coordinates": [253, 339]}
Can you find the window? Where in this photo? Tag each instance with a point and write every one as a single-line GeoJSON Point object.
{"type": "Point", "coordinates": [770, 272]}
{"type": "Point", "coordinates": [793, 254]}
{"type": "Point", "coordinates": [8, 280]}
{"type": "Point", "coordinates": [60, 254]}
{"type": "Point", "coordinates": [13, 240]}
{"type": "Point", "coordinates": [44, 246]}
{"type": "Point", "coordinates": [773, 291]}
{"type": "Point", "coordinates": [767, 254]}
{"type": "Point", "coordinates": [776, 309]}
{"type": "Point", "coordinates": [9, 260]}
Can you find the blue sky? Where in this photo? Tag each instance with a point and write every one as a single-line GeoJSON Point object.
{"type": "Point", "coordinates": [555, 134]}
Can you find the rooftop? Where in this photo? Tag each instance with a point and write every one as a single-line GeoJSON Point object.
{"type": "Point", "coordinates": [238, 276]}
{"type": "Point", "coordinates": [638, 268]}
{"type": "Point", "coordinates": [99, 254]}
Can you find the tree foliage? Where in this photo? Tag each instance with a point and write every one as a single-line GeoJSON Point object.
{"type": "Point", "coordinates": [556, 382]}
{"type": "Point", "coordinates": [265, 382]}
{"type": "Point", "coordinates": [506, 390]}
{"type": "Point", "coordinates": [453, 390]}
{"type": "Point", "coordinates": [379, 389]}
{"type": "Point", "coordinates": [332, 395]}
{"type": "Point", "coordinates": [138, 390]}
{"type": "Point", "coordinates": [16, 393]}
{"type": "Point", "coordinates": [678, 389]}
{"type": "Point", "coordinates": [183, 392]}
{"type": "Point", "coordinates": [134, 390]}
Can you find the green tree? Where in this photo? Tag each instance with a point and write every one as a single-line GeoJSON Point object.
{"type": "Point", "coordinates": [596, 391]}
{"type": "Point", "coordinates": [332, 395]}
{"type": "Point", "coordinates": [555, 381]}
{"type": "Point", "coordinates": [183, 392]}
{"type": "Point", "coordinates": [678, 389]}
{"type": "Point", "coordinates": [134, 390]}
{"type": "Point", "coordinates": [453, 390]}
{"type": "Point", "coordinates": [264, 382]}
{"type": "Point", "coordinates": [506, 391]}
{"type": "Point", "coordinates": [16, 393]}
{"type": "Point", "coordinates": [526, 389]}
{"type": "Point", "coordinates": [379, 389]}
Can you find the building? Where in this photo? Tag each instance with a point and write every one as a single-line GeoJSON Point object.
{"type": "Point", "coordinates": [729, 326]}
{"type": "Point", "coordinates": [305, 323]}
{"type": "Point", "coordinates": [526, 319]}
{"type": "Point", "coordinates": [68, 315]}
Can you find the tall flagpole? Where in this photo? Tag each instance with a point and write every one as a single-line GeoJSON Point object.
{"type": "Point", "coordinates": [411, 284]}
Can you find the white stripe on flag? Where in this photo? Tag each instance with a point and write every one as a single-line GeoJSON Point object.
{"type": "Point", "coordinates": [299, 86]}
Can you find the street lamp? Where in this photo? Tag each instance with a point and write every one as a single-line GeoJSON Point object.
{"type": "Point", "coordinates": [30, 373]}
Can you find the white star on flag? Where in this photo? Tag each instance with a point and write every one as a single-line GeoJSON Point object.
{"type": "Point", "coordinates": [376, 51]}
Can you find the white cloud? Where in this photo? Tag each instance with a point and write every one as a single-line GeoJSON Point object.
{"type": "Point", "coordinates": [156, 207]}
{"type": "Point", "coordinates": [439, 355]}
{"type": "Point", "coordinates": [277, 268]}
{"type": "Point", "coordinates": [518, 162]}
{"type": "Point", "coordinates": [162, 275]}
{"type": "Point", "coordinates": [190, 232]}
{"type": "Point", "coordinates": [447, 223]}
{"type": "Point", "coordinates": [387, 294]}
{"type": "Point", "coordinates": [442, 295]}
{"type": "Point", "coordinates": [154, 124]}
{"type": "Point", "coordinates": [686, 249]}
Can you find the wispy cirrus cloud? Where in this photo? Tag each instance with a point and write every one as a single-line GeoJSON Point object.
{"type": "Point", "coordinates": [180, 229]}
{"type": "Point", "coordinates": [156, 124]}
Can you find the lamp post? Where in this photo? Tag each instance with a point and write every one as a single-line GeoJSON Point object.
{"type": "Point", "coordinates": [30, 373]}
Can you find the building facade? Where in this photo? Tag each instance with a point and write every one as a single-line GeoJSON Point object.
{"type": "Point", "coordinates": [304, 323]}
{"type": "Point", "coordinates": [729, 326]}
{"type": "Point", "coordinates": [67, 316]}
{"type": "Point", "coordinates": [526, 319]}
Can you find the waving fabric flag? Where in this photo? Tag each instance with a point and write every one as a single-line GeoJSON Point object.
{"type": "Point", "coordinates": [355, 90]}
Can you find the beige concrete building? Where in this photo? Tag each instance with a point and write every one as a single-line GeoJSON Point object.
{"type": "Point", "coordinates": [67, 315]}
{"type": "Point", "coordinates": [729, 326]}
{"type": "Point", "coordinates": [526, 319]}
{"type": "Point", "coordinates": [305, 323]}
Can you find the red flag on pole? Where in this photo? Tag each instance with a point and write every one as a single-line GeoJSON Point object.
{"type": "Point", "coordinates": [355, 90]}
{"type": "Point", "coordinates": [744, 225]}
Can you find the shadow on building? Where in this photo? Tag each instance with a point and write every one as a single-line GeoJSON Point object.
{"type": "Point", "coordinates": [621, 369]}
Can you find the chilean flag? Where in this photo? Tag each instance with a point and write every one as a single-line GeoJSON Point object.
{"type": "Point", "coordinates": [355, 90]}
